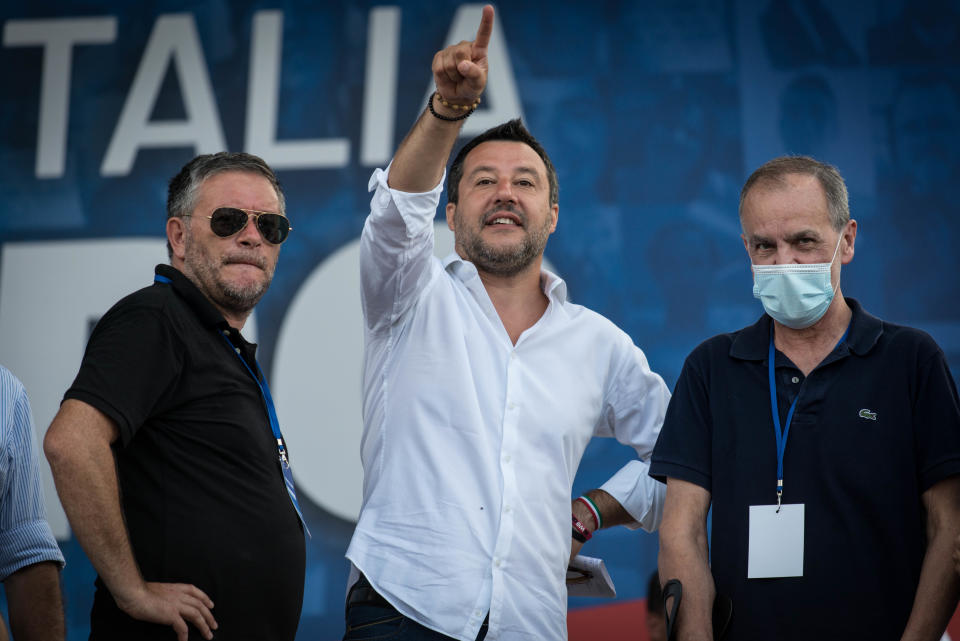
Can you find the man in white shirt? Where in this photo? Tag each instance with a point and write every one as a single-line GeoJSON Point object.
{"type": "Point", "coordinates": [482, 387]}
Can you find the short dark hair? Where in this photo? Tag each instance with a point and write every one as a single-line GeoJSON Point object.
{"type": "Point", "coordinates": [777, 170]}
{"type": "Point", "coordinates": [511, 131]}
{"type": "Point", "coordinates": [182, 191]}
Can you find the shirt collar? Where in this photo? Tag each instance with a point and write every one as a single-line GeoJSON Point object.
{"type": "Point", "coordinates": [553, 286]}
{"type": "Point", "coordinates": [209, 315]}
{"type": "Point", "coordinates": [752, 343]}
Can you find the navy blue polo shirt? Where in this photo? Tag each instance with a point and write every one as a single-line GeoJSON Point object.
{"type": "Point", "coordinates": [877, 423]}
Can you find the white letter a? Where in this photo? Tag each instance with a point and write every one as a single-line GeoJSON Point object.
{"type": "Point", "coordinates": [173, 37]}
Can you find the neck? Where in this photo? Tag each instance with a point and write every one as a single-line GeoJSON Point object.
{"type": "Point", "coordinates": [234, 319]}
{"type": "Point", "coordinates": [807, 347]}
{"type": "Point", "coordinates": [518, 299]}
{"type": "Point", "coordinates": [518, 290]}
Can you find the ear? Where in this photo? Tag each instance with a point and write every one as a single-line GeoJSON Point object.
{"type": "Point", "coordinates": [177, 236]}
{"type": "Point", "coordinates": [849, 239]}
{"type": "Point", "coordinates": [451, 210]}
{"type": "Point", "coordinates": [554, 215]}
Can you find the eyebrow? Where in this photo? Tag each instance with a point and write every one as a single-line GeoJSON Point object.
{"type": "Point", "coordinates": [803, 233]}
{"type": "Point", "coordinates": [518, 170]}
{"type": "Point", "coordinates": [791, 238]}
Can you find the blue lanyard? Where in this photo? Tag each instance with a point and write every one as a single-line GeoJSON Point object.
{"type": "Point", "coordinates": [261, 382]}
{"type": "Point", "coordinates": [782, 434]}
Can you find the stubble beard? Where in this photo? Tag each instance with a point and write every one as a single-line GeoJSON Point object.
{"type": "Point", "coordinates": [501, 261]}
{"type": "Point", "coordinates": [204, 271]}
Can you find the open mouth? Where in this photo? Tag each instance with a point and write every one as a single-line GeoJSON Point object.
{"type": "Point", "coordinates": [501, 218]}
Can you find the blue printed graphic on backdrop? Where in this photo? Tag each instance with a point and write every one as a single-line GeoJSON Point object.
{"type": "Point", "coordinates": [653, 113]}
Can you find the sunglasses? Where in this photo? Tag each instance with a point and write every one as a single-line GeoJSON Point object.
{"type": "Point", "coordinates": [227, 221]}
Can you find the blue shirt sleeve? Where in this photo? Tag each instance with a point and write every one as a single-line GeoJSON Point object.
{"type": "Point", "coordinates": [25, 535]}
{"type": "Point", "coordinates": [936, 418]}
{"type": "Point", "coordinates": [684, 447]}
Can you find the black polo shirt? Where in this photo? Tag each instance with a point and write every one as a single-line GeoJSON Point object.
{"type": "Point", "coordinates": [876, 424]}
{"type": "Point", "coordinates": [202, 491]}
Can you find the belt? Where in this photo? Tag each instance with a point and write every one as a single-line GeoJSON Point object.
{"type": "Point", "coordinates": [365, 594]}
{"type": "Point", "coordinates": [362, 593]}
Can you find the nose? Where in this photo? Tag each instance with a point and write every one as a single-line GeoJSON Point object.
{"type": "Point", "coordinates": [785, 255]}
{"type": "Point", "coordinates": [250, 235]}
{"type": "Point", "coordinates": [505, 192]}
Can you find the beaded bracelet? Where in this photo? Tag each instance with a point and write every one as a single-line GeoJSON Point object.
{"type": "Point", "coordinates": [467, 109]}
{"type": "Point", "coordinates": [451, 105]}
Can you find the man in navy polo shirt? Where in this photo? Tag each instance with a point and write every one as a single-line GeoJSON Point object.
{"type": "Point", "coordinates": [826, 440]}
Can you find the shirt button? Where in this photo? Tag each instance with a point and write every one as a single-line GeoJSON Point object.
{"type": "Point", "coordinates": [506, 509]}
{"type": "Point", "coordinates": [506, 458]}
{"type": "Point", "coordinates": [497, 562]}
{"type": "Point", "coordinates": [795, 380]}
{"type": "Point", "coordinates": [512, 406]}
{"type": "Point", "coordinates": [513, 356]}
{"type": "Point", "coordinates": [477, 613]}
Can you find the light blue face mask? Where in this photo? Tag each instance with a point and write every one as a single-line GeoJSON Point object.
{"type": "Point", "coordinates": [795, 295]}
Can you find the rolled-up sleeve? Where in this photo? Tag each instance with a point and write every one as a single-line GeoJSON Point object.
{"type": "Point", "coordinates": [396, 250]}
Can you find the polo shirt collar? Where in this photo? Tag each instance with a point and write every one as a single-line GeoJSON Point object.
{"type": "Point", "coordinates": [753, 342]}
{"type": "Point", "coordinates": [865, 329]}
{"type": "Point", "coordinates": [209, 315]}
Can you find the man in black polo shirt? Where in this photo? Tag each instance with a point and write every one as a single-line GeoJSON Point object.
{"type": "Point", "coordinates": [166, 452]}
{"type": "Point", "coordinates": [827, 441]}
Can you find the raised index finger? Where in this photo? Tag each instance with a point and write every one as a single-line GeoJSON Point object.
{"type": "Point", "coordinates": [485, 29]}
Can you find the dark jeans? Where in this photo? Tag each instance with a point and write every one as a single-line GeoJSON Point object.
{"type": "Point", "coordinates": [369, 616]}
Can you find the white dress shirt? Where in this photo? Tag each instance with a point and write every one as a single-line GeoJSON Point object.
{"type": "Point", "coordinates": [471, 443]}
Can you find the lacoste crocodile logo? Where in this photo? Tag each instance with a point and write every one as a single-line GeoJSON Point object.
{"type": "Point", "coordinates": [868, 414]}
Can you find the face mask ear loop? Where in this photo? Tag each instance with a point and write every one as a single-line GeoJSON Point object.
{"type": "Point", "coordinates": [836, 249]}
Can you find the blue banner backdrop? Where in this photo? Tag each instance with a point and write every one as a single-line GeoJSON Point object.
{"type": "Point", "coordinates": [654, 113]}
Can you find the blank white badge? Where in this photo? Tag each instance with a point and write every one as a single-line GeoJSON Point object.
{"type": "Point", "coordinates": [776, 541]}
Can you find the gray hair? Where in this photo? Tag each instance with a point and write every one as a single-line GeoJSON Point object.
{"type": "Point", "coordinates": [182, 192]}
{"type": "Point", "coordinates": [776, 171]}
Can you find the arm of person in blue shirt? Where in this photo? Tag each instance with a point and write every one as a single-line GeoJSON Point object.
{"type": "Point", "coordinates": [30, 559]}
{"type": "Point", "coordinates": [33, 597]}
{"type": "Point", "coordinates": [78, 448]}
{"type": "Point", "coordinates": [683, 555]}
{"type": "Point", "coordinates": [939, 587]}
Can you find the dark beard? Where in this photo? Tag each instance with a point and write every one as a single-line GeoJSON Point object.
{"type": "Point", "coordinates": [238, 301]}
{"type": "Point", "coordinates": [234, 299]}
{"type": "Point", "coordinates": [503, 262]}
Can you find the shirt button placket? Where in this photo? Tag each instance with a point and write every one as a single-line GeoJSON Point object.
{"type": "Point", "coordinates": [513, 390]}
